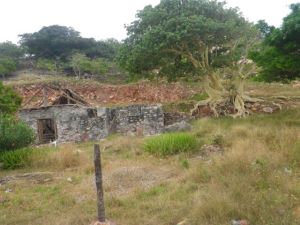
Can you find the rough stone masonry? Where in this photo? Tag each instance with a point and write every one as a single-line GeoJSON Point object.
{"type": "Point", "coordinates": [75, 123]}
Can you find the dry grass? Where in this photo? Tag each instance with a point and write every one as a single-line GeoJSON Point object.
{"type": "Point", "coordinates": [257, 179]}
{"type": "Point", "coordinates": [272, 89]}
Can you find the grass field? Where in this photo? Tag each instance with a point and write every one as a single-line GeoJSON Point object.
{"type": "Point", "coordinates": [257, 178]}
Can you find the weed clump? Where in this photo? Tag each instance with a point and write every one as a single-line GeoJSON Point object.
{"type": "Point", "coordinates": [170, 144]}
{"type": "Point", "coordinates": [16, 159]}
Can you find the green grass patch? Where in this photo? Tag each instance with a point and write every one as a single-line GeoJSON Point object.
{"type": "Point", "coordinates": [15, 159]}
{"type": "Point", "coordinates": [170, 144]}
{"type": "Point", "coordinates": [21, 158]}
{"type": "Point", "coordinates": [199, 96]}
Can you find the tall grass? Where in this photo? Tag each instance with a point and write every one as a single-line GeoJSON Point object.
{"type": "Point", "coordinates": [43, 157]}
{"type": "Point", "coordinates": [170, 144]}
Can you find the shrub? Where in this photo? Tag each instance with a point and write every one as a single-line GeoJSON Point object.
{"type": "Point", "coordinates": [7, 66]}
{"type": "Point", "coordinates": [218, 139]}
{"type": "Point", "coordinates": [46, 64]}
{"type": "Point", "coordinates": [14, 134]}
{"type": "Point", "coordinates": [15, 159]}
{"type": "Point", "coordinates": [10, 101]}
{"type": "Point", "coordinates": [169, 144]}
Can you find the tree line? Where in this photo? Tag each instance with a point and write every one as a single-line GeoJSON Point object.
{"type": "Point", "coordinates": [173, 39]}
{"type": "Point", "coordinates": [58, 48]}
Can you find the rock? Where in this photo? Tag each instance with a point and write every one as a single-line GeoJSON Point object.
{"type": "Point", "coordinates": [267, 109]}
{"type": "Point", "coordinates": [288, 170]}
{"type": "Point", "coordinates": [211, 149]}
{"type": "Point", "coordinates": [239, 222]}
{"type": "Point", "coordinates": [184, 222]}
{"type": "Point", "coordinates": [8, 190]}
{"type": "Point", "coordinates": [105, 223]}
{"type": "Point", "coordinates": [244, 222]}
{"type": "Point", "coordinates": [180, 126]}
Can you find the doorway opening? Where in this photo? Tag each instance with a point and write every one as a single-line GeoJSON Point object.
{"type": "Point", "coordinates": [47, 131]}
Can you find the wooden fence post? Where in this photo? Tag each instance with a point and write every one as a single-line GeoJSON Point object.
{"type": "Point", "coordinates": [99, 186]}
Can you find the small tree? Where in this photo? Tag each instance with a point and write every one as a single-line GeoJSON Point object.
{"type": "Point", "coordinates": [10, 50]}
{"type": "Point", "coordinates": [7, 65]}
{"type": "Point", "coordinates": [99, 66]}
{"type": "Point", "coordinates": [48, 65]}
{"type": "Point", "coordinates": [9, 56]}
{"type": "Point", "coordinates": [80, 63]}
{"type": "Point", "coordinates": [10, 101]}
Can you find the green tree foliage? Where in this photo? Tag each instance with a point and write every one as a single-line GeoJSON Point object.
{"type": "Point", "coordinates": [60, 42]}
{"type": "Point", "coordinates": [14, 134]}
{"type": "Point", "coordinates": [180, 35]}
{"type": "Point", "coordinates": [80, 64]}
{"type": "Point", "coordinates": [7, 65]}
{"type": "Point", "coordinates": [264, 28]}
{"type": "Point", "coordinates": [9, 56]}
{"type": "Point", "coordinates": [53, 42]}
{"type": "Point", "coordinates": [104, 49]}
{"type": "Point", "coordinates": [48, 65]}
{"type": "Point", "coordinates": [10, 101]}
{"type": "Point", "coordinates": [10, 50]}
{"type": "Point", "coordinates": [279, 54]}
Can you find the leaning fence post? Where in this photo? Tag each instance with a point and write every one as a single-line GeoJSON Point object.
{"type": "Point", "coordinates": [99, 186]}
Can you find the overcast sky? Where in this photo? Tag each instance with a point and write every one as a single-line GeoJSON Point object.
{"type": "Point", "coordinates": [103, 19]}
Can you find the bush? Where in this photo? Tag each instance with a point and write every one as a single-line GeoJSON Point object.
{"type": "Point", "coordinates": [169, 144]}
{"type": "Point", "coordinates": [14, 134]}
{"type": "Point", "coordinates": [46, 64]}
{"type": "Point", "coordinates": [7, 66]}
{"type": "Point", "coordinates": [10, 101]}
{"type": "Point", "coordinates": [15, 159]}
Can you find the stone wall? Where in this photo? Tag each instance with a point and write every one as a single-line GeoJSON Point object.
{"type": "Point", "coordinates": [77, 123]}
{"type": "Point", "coordinates": [136, 119]}
{"type": "Point", "coordinates": [72, 122]}
{"type": "Point", "coordinates": [174, 117]}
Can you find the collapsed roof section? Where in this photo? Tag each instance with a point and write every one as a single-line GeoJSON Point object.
{"type": "Point", "coordinates": [49, 95]}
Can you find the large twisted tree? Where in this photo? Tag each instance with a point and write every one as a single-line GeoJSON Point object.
{"type": "Point", "coordinates": [202, 37]}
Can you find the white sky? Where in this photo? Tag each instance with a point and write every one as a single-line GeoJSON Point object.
{"type": "Point", "coordinates": [103, 19]}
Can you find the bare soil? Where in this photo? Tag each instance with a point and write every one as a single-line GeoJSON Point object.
{"type": "Point", "coordinates": [104, 94]}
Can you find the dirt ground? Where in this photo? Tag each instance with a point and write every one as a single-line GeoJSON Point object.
{"type": "Point", "coordinates": [180, 95]}
{"type": "Point", "coordinates": [104, 94]}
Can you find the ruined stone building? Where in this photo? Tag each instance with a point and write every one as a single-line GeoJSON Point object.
{"type": "Point", "coordinates": [66, 117]}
